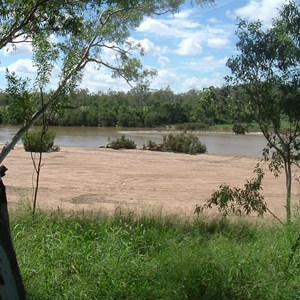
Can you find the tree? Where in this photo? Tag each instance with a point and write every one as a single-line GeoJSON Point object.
{"type": "Point", "coordinates": [267, 68]}
{"type": "Point", "coordinates": [66, 36]}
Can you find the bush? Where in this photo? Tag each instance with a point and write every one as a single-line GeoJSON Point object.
{"type": "Point", "coordinates": [240, 128]}
{"type": "Point", "coordinates": [36, 141]}
{"type": "Point", "coordinates": [183, 143]}
{"type": "Point", "coordinates": [236, 200]}
{"type": "Point", "coordinates": [152, 146]}
{"type": "Point", "coordinates": [122, 143]}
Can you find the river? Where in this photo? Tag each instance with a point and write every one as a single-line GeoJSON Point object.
{"type": "Point", "coordinates": [217, 143]}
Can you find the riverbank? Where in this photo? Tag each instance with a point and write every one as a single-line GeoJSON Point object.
{"type": "Point", "coordinates": [103, 179]}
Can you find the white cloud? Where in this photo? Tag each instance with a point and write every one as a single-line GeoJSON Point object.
{"type": "Point", "coordinates": [157, 27]}
{"type": "Point", "coordinates": [214, 21]}
{"type": "Point", "coordinates": [230, 14]}
{"type": "Point", "coordinates": [207, 64]}
{"type": "Point", "coordinates": [100, 80]}
{"type": "Point", "coordinates": [222, 61]}
{"type": "Point", "coordinates": [185, 30]}
{"type": "Point", "coordinates": [184, 14]}
{"type": "Point", "coordinates": [22, 67]}
{"type": "Point", "coordinates": [218, 42]}
{"type": "Point", "coordinates": [23, 49]}
{"type": "Point", "coordinates": [183, 19]}
{"type": "Point", "coordinates": [183, 24]}
{"type": "Point", "coordinates": [164, 61]}
{"type": "Point", "coordinates": [150, 48]}
{"type": "Point", "coordinates": [200, 83]}
{"type": "Point", "coordinates": [189, 46]}
{"type": "Point", "coordinates": [263, 10]}
{"type": "Point", "coordinates": [164, 78]}
{"type": "Point", "coordinates": [176, 27]}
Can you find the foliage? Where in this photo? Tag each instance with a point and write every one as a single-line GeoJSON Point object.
{"type": "Point", "coordinates": [122, 143]}
{"type": "Point", "coordinates": [92, 256]}
{"type": "Point", "coordinates": [152, 146]}
{"type": "Point", "coordinates": [239, 128]}
{"type": "Point", "coordinates": [267, 68]}
{"type": "Point", "coordinates": [183, 143]}
{"type": "Point", "coordinates": [135, 109]}
{"type": "Point", "coordinates": [236, 200]}
{"type": "Point", "coordinates": [38, 141]}
{"type": "Point", "coordinates": [147, 109]}
{"type": "Point", "coordinates": [22, 100]}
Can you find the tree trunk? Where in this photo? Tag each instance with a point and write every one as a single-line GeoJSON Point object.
{"type": "Point", "coordinates": [288, 182]}
{"type": "Point", "coordinates": [11, 284]}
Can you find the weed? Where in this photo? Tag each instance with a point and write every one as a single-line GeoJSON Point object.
{"type": "Point", "coordinates": [92, 256]}
{"type": "Point", "coordinates": [122, 143]}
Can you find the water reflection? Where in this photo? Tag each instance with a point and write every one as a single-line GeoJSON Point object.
{"type": "Point", "coordinates": [217, 143]}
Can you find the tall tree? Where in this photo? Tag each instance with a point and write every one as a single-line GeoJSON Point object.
{"type": "Point", "coordinates": [65, 36]}
{"type": "Point", "coordinates": [267, 67]}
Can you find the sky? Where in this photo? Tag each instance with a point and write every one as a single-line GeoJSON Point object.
{"type": "Point", "coordinates": [189, 49]}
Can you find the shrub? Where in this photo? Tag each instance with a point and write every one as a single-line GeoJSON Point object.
{"type": "Point", "coordinates": [122, 143]}
{"type": "Point", "coordinates": [236, 200]}
{"type": "Point", "coordinates": [240, 128]}
{"type": "Point", "coordinates": [37, 141]}
{"type": "Point", "coordinates": [183, 143]}
{"type": "Point", "coordinates": [152, 146]}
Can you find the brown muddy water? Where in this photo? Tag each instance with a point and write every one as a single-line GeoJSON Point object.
{"type": "Point", "coordinates": [250, 145]}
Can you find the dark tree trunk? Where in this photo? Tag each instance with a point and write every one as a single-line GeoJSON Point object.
{"type": "Point", "coordinates": [288, 181]}
{"type": "Point", "coordinates": [11, 284]}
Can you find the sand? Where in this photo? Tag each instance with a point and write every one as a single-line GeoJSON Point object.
{"type": "Point", "coordinates": [104, 179]}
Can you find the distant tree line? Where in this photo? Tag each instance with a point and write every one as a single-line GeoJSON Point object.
{"type": "Point", "coordinates": [139, 108]}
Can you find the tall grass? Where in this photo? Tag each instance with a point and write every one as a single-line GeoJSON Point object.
{"type": "Point", "coordinates": [82, 256]}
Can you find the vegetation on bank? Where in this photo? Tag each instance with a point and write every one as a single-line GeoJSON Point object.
{"type": "Point", "coordinates": [183, 143]}
{"type": "Point", "coordinates": [179, 143]}
{"type": "Point", "coordinates": [122, 143]}
{"type": "Point", "coordinates": [194, 110]}
{"type": "Point", "coordinates": [81, 256]}
{"type": "Point", "coordinates": [39, 141]}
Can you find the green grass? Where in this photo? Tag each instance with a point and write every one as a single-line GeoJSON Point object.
{"type": "Point", "coordinates": [83, 256]}
{"type": "Point", "coordinates": [253, 127]}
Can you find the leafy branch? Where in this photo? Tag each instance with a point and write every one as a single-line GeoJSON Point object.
{"type": "Point", "coordinates": [238, 201]}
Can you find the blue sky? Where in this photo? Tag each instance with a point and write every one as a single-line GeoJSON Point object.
{"type": "Point", "coordinates": [189, 50]}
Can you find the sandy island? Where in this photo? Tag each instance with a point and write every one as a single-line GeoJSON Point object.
{"type": "Point", "coordinates": [103, 179]}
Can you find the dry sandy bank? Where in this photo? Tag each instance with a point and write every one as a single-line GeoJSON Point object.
{"type": "Point", "coordinates": [103, 179]}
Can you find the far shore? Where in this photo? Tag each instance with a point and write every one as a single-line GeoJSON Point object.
{"type": "Point", "coordinates": [167, 131]}
{"type": "Point", "coordinates": [76, 179]}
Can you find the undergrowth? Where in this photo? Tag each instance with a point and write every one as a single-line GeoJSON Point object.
{"type": "Point", "coordinates": [92, 256]}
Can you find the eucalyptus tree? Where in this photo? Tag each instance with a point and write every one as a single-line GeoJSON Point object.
{"type": "Point", "coordinates": [65, 36]}
{"type": "Point", "coordinates": [267, 68]}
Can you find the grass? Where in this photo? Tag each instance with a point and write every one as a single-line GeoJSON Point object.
{"type": "Point", "coordinates": [253, 127]}
{"type": "Point", "coordinates": [81, 256]}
